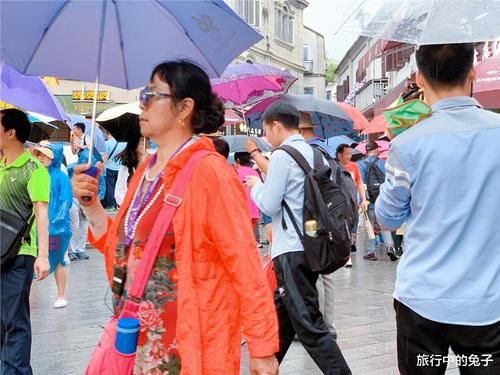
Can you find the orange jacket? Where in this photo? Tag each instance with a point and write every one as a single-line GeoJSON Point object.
{"type": "Point", "coordinates": [222, 288]}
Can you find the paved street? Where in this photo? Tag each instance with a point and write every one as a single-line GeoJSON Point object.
{"type": "Point", "coordinates": [63, 339]}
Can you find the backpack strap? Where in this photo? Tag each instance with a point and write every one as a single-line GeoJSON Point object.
{"type": "Point", "coordinates": [171, 202]}
{"type": "Point", "coordinates": [297, 156]}
{"type": "Point", "coordinates": [302, 162]}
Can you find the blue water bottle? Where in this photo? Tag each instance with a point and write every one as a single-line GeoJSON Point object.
{"type": "Point", "coordinates": [127, 331]}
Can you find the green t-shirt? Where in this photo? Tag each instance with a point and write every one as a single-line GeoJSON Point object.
{"type": "Point", "coordinates": [21, 183]}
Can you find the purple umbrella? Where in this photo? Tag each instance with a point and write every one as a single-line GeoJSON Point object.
{"type": "Point", "coordinates": [29, 93]}
{"type": "Point", "coordinates": [245, 84]}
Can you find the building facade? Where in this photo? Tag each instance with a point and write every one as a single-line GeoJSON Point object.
{"type": "Point", "coordinates": [281, 24]}
{"type": "Point", "coordinates": [373, 73]}
{"type": "Point", "coordinates": [314, 63]}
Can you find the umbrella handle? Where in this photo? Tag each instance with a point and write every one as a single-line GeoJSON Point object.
{"type": "Point", "coordinates": [92, 171]}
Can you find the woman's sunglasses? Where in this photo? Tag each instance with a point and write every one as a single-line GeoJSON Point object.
{"type": "Point", "coordinates": [146, 94]}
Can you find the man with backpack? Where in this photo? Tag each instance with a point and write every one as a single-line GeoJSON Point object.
{"type": "Point", "coordinates": [282, 197]}
{"type": "Point", "coordinates": [372, 170]}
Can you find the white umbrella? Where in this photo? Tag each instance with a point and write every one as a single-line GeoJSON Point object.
{"type": "Point", "coordinates": [426, 21]}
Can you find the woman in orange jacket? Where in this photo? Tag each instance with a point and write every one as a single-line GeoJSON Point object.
{"type": "Point", "coordinates": [207, 283]}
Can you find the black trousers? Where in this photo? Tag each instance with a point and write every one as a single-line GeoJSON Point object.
{"type": "Point", "coordinates": [109, 200]}
{"type": "Point", "coordinates": [15, 334]}
{"type": "Point", "coordinates": [296, 300]}
{"type": "Point", "coordinates": [422, 344]}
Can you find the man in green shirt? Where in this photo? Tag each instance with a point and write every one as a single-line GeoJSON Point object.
{"type": "Point", "coordinates": [25, 190]}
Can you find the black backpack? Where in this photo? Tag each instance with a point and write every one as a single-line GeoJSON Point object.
{"type": "Point", "coordinates": [343, 178]}
{"type": "Point", "coordinates": [374, 178]}
{"type": "Point", "coordinates": [326, 203]}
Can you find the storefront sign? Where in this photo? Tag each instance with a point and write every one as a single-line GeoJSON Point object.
{"type": "Point", "coordinates": [102, 96]}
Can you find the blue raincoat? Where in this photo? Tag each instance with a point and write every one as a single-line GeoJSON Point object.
{"type": "Point", "coordinates": [83, 158]}
{"type": "Point", "coordinates": [61, 199]}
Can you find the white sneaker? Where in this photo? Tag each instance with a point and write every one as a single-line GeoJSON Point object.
{"type": "Point", "coordinates": [60, 303]}
{"type": "Point", "coordinates": [349, 263]}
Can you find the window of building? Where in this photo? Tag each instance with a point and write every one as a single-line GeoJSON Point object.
{"type": "Point", "coordinates": [249, 10]}
{"type": "Point", "coordinates": [306, 52]}
{"type": "Point", "coordinates": [329, 95]}
{"type": "Point", "coordinates": [308, 90]}
{"type": "Point", "coordinates": [284, 25]}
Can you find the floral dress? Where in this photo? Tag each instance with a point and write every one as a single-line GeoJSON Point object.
{"type": "Point", "coordinates": [156, 348]}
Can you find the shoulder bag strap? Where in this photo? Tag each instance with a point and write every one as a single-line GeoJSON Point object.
{"type": "Point", "coordinates": [113, 150]}
{"type": "Point", "coordinates": [171, 202]}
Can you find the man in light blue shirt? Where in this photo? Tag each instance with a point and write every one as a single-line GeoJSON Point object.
{"type": "Point", "coordinates": [296, 298]}
{"type": "Point", "coordinates": [443, 180]}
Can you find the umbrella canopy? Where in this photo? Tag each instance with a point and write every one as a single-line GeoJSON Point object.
{"type": "Point", "coordinates": [329, 120]}
{"type": "Point", "coordinates": [377, 125]}
{"type": "Point", "coordinates": [29, 93]}
{"type": "Point", "coordinates": [335, 142]}
{"type": "Point", "coordinates": [237, 143]}
{"type": "Point", "coordinates": [42, 129]}
{"type": "Point", "coordinates": [121, 121]}
{"type": "Point", "coordinates": [242, 85]}
{"type": "Point", "coordinates": [383, 146]}
{"type": "Point", "coordinates": [119, 41]}
{"type": "Point", "coordinates": [486, 88]}
{"type": "Point", "coordinates": [359, 120]}
{"type": "Point", "coordinates": [426, 21]}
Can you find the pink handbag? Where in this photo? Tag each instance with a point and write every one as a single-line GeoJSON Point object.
{"type": "Point", "coordinates": [106, 360]}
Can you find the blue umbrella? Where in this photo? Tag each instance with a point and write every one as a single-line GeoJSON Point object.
{"type": "Point", "coordinates": [28, 93]}
{"type": "Point", "coordinates": [328, 118]}
{"type": "Point", "coordinates": [237, 143]}
{"type": "Point", "coordinates": [335, 142]}
{"type": "Point", "coordinates": [118, 42]}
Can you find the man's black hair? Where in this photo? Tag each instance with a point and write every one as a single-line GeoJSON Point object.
{"type": "Point", "coordinates": [81, 126]}
{"type": "Point", "coordinates": [341, 148]}
{"type": "Point", "coordinates": [243, 158]}
{"type": "Point", "coordinates": [221, 146]}
{"type": "Point", "coordinates": [282, 112]}
{"type": "Point", "coordinates": [445, 65]}
{"type": "Point", "coordinates": [13, 118]}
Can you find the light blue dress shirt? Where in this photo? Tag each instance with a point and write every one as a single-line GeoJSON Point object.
{"type": "Point", "coordinates": [443, 179]}
{"type": "Point", "coordinates": [284, 180]}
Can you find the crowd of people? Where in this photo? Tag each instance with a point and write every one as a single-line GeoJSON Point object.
{"type": "Point", "coordinates": [206, 288]}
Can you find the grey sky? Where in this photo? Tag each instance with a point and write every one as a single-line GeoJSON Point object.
{"type": "Point", "coordinates": [326, 16]}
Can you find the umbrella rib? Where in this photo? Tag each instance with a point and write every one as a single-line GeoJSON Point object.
{"type": "Point", "coordinates": [122, 51]}
{"type": "Point", "coordinates": [59, 11]}
{"type": "Point", "coordinates": [189, 37]}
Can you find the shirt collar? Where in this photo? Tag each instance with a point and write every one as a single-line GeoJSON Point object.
{"type": "Point", "coordinates": [455, 101]}
{"type": "Point", "coordinates": [19, 162]}
{"type": "Point", "coordinates": [293, 138]}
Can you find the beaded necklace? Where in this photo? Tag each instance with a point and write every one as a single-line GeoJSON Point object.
{"type": "Point", "coordinates": [132, 218]}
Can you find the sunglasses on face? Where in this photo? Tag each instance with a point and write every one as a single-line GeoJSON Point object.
{"type": "Point", "coordinates": [146, 94]}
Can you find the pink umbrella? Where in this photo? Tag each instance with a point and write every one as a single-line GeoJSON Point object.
{"type": "Point", "coordinates": [377, 125]}
{"type": "Point", "coordinates": [231, 117]}
{"type": "Point", "coordinates": [359, 120]}
{"type": "Point", "coordinates": [486, 88]}
{"type": "Point", "coordinates": [245, 84]}
{"type": "Point", "coordinates": [383, 146]}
